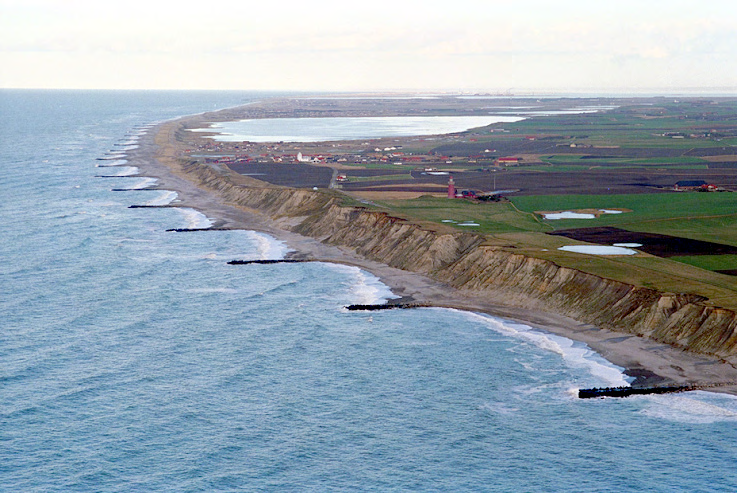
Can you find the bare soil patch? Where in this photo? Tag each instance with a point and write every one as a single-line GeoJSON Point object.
{"type": "Point", "coordinates": [721, 158]}
{"type": "Point", "coordinates": [288, 175]}
{"type": "Point", "coordinates": [654, 244]}
{"type": "Point", "coordinates": [401, 188]}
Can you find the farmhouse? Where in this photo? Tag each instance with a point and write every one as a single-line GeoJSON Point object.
{"type": "Point", "coordinates": [507, 161]}
{"type": "Point", "coordinates": [694, 185]}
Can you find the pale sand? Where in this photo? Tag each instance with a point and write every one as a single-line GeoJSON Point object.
{"type": "Point", "coordinates": [654, 363]}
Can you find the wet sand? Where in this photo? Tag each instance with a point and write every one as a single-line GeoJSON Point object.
{"type": "Point", "coordinates": [650, 362]}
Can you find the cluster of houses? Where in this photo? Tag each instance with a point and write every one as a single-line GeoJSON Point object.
{"type": "Point", "coordinates": [397, 159]}
{"type": "Point", "coordinates": [394, 157]}
{"type": "Point", "coordinates": [246, 152]}
{"type": "Point", "coordinates": [716, 135]}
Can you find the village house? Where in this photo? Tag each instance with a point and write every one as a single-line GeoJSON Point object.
{"type": "Point", "coordinates": [507, 161]}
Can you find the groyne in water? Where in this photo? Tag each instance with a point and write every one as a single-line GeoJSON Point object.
{"type": "Point", "coordinates": [190, 230]}
{"type": "Point", "coordinates": [628, 391]}
{"type": "Point", "coordinates": [385, 306]}
{"type": "Point", "coordinates": [266, 262]}
{"type": "Point", "coordinates": [147, 206]}
{"type": "Point", "coordinates": [463, 261]}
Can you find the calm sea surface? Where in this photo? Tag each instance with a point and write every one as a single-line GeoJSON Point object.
{"type": "Point", "coordinates": [132, 359]}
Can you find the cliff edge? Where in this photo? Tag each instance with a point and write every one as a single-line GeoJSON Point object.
{"type": "Point", "coordinates": [463, 261]}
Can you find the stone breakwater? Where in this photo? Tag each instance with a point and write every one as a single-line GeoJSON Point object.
{"type": "Point", "coordinates": [462, 261]}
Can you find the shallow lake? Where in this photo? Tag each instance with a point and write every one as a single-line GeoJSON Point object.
{"type": "Point", "coordinates": [346, 128]}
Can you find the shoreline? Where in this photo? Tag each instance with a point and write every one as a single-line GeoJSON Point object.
{"type": "Point", "coordinates": [651, 363]}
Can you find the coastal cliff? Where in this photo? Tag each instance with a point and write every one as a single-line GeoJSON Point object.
{"type": "Point", "coordinates": [462, 261]}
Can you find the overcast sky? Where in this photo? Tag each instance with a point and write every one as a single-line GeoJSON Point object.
{"type": "Point", "coordinates": [453, 45]}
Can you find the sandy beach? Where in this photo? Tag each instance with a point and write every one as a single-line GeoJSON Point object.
{"type": "Point", "coordinates": [650, 362]}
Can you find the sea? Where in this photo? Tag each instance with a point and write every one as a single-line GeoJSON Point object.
{"type": "Point", "coordinates": [137, 359]}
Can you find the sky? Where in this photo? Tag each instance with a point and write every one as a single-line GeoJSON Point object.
{"type": "Point", "coordinates": [515, 46]}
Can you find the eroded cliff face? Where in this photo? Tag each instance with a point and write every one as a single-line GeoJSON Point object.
{"type": "Point", "coordinates": [678, 319]}
{"type": "Point", "coordinates": [462, 261]}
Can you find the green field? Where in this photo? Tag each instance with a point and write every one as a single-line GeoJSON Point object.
{"type": "Point", "coordinates": [678, 161]}
{"type": "Point", "coordinates": [371, 165]}
{"type": "Point", "coordinates": [356, 179]}
{"type": "Point", "coordinates": [492, 217]}
{"type": "Point", "coordinates": [710, 262]}
{"type": "Point", "coordinates": [636, 127]}
{"type": "Point", "coordinates": [553, 167]}
{"type": "Point", "coordinates": [700, 215]}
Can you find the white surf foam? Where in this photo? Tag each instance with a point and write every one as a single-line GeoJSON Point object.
{"type": "Point", "coordinates": [211, 290]}
{"type": "Point", "coordinates": [167, 197]}
{"type": "Point", "coordinates": [697, 407]}
{"type": "Point", "coordinates": [128, 171]}
{"type": "Point", "coordinates": [575, 354]}
{"type": "Point", "coordinates": [145, 183]}
{"type": "Point", "coordinates": [365, 288]}
{"type": "Point", "coordinates": [195, 219]}
{"type": "Point", "coordinates": [268, 247]}
{"type": "Point", "coordinates": [112, 162]}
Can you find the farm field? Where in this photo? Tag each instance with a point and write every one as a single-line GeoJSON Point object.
{"type": "Point", "coordinates": [704, 215]}
{"type": "Point", "coordinates": [488, 217]}
{"type": "Point", "coordinates": [516, 226]}
{"type": "Point", "coordinates": [700, 216]}
{"type": "Point", "coordinates": [624, 159]}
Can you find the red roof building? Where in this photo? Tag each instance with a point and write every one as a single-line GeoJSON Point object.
{"type": "Point", "coordinates": [507, 161]}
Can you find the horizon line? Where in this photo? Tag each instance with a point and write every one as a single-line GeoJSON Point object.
{"type": "Point", "coordinates": [601, 92]}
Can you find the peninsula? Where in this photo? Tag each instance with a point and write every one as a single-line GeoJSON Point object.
{"type": "Point", "coordinates": [665, 313]}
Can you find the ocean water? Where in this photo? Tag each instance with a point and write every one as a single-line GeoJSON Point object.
{"type": "Point", "coordinates": [135, 359]}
